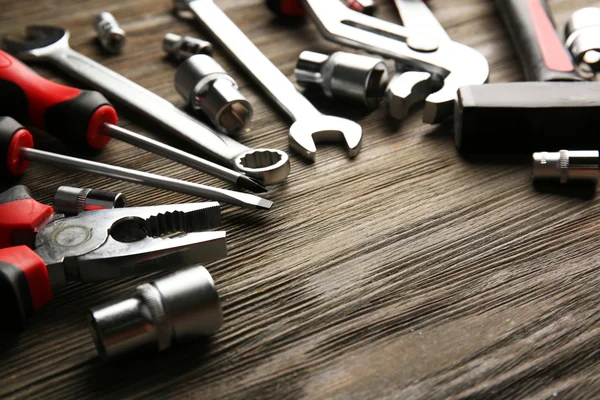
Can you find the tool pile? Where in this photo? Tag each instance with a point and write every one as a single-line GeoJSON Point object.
{"type": "Point", "coordinates": [91, 235]}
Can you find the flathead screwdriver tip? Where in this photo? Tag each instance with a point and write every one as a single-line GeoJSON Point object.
{"type": "Point", "coordinates": [264, 204]}
{"type": "Point", "coordinates": [251, 184]}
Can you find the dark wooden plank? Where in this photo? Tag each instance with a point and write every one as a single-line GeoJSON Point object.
{"type": "Point", "coordinates": [406, 273]}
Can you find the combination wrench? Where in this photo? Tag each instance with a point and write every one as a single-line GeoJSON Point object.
{"type": "Point", "coordinates": [51, 44]}
{"type": "Point", "coordinates": [309, 124]}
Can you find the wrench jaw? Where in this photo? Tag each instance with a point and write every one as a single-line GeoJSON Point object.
{"type": "Point", "coordinates": [268, 165]}
{"type": "Point", "coordinates": [40, 42]}
{"type": "Point", "coordinates": [325, 129]}
{"type": "Point", "coordinates": [407, 89]}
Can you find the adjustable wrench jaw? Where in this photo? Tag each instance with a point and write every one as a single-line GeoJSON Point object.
{"type": "Point", "coordinates": [40, 41]}
{"type": "Point", "coordinates": [450, 64]}
{"type": "Point", "coordinates": [304, 133]}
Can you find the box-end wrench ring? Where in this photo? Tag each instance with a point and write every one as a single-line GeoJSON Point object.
{"type": "Point", "coordinates": [309, 125]}
{"type": "Point", "coordinates": [46, 43]}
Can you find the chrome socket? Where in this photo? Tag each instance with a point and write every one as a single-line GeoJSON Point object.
{"type": "Point", "coordinates": [183, 47]}
{"type": "Point", "coordinates": [346, 76]}
{"type": "Point", "coordinates": [566, 165]}
{"type": "Point", "coordinates": [110, 34]}
{"type": "Point", "coordinates": [582, 34]}
{"type": "Point", "coordinates": [208, 89]}
{"type": "Point", "coordinates": [72, 201]}
{"type": "Point", "coordinates": [179, 307]}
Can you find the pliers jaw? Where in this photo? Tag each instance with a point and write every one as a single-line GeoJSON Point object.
{"type": "Point", "coordinates": [106, 244]}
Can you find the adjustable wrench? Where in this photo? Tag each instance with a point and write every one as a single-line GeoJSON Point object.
{"type": "Point", "coordinates": [51, 44]}
{"type": "Point", "coordinates": [434, 66]}
{"type": "Point", "coordinates": [309, 124]}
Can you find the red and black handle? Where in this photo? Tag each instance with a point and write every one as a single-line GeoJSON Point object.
{"type": "Point", "coordinates": [542, 53]}
{"type": "Point", "coordinates": [24, 282]}
{"type": "Point", "coordinates": [74, 116]}
{"type": "Point", "coordinates": [13, 137]}
{"type": "Point", "coordinates": [287, 8]}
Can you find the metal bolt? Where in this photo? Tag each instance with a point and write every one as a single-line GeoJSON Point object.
{"type": "Point", "coordinates": [566, 165]}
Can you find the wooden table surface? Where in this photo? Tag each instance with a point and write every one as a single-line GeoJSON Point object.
{"type": "Point", "coordinates": [405, 273]}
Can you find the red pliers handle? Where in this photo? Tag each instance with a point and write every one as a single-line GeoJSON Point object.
{"type": "Point", "coordinates": [24, 280]}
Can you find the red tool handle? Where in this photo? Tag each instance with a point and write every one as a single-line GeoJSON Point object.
{"type": "Point", "coordinates": [530, 25]}
{"type": "Point", "coordinates": [24, 282]}
{"type": "Point", "coordinates": [287, 8]}
{"type": "Point", "coordinates": [72, 115]}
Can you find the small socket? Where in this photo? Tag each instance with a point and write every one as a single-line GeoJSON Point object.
{"type": "Point", "coordinates": [183, 47]}
{"type": "Point", "coordinates": [566, 165]}
{"type": "Point", "coordinates": [205, 85]}
{"type": "Point", "coordinates": [362, 6]}
{"type": "Point", "coordinates": [346, 76]}
{"type": "Point", "coordinates": [110, 34]}
{"type": "Point", "coordinates": [582, 34]}
{"type": "Point", "coordinates": [72, 201]}
{"type": "Point", "coordinates": [178, 307]}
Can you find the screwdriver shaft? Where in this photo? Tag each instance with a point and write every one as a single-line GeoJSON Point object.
{"type": "Point", "coordinates": [145, 178]}
{"type": "Point", "coordinates": [171, 153]}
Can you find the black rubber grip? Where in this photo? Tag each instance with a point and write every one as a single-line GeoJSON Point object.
{"type": "Point", "coordinates": [286, 8]}
{"type": "Point", "coordinates": [531, 28]}
{"type": "Point", "coordinates": [68, 121]}
{"type": "Point", "coordinates": [525, 117]}
{"type": "Point", "coordinates": [15, 298]}
{"type": "Point", "coordinates": [13, 101]}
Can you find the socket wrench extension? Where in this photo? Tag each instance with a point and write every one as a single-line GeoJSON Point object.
{"type": "Point", "coordinates": [178, 307]}
{"type": "Point", "coordinates": [51, 44]}
{"type": "Point", "coordinates": [309, 124]}
{"type": "Point", "coordinates": [208, 89]}
{"type": "Point", "coordinates": [182, 48]}
{"type": "Point", "coordinates": [342, 75]}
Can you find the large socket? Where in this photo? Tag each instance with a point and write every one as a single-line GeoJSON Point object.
{"type": "Point", "coordinates": [208, 89]}
{"type": "Point", "coordinates": [178, 307]}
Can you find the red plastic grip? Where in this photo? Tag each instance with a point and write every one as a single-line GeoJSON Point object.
{"type": "Point", "coordinates": [16, 163]}
{"type": "Point", "coordinates": [34, 269]}
{"type": "Point", "coordinates": [41, 93]}
{"type": "Point", "coordinates": [22, 215]}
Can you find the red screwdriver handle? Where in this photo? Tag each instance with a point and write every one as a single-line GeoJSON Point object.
{"type": "Point", "coordinates": [13, 137]}
{"type": "Point", "coordinates": [531, 28]}
{"type": "Point", "coordinates": [287, 8]}
{"type": "Point", "coordinates": [24, 282]}
{"type": "Point", "coordinates": [74, 116]}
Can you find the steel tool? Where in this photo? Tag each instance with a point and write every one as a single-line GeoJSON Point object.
{"type": "Point", "coordinates": [557, 111]}
{"type": "Point", "coordinates": [51, 44]}
{"type": "Point", "coordinates": [85, 118]}
{"type": "Point", "coordinates": [342, 75]}
{"type": "Point", "coordinates": [110, 34]}
{"type": "Point", "coordinates": [178, 307]}
{"type": "Point", "coordinates": [183, 47]}
{"type": "Point", "coordinates": [16, 148]}
{"type": "Point", "coordinates": [40, 251]}
{"type": "Point", "coordinates": [72, 201]}
{"type": "Point", "coordinates": [566, 166]}
{"type": "Point", "coordinates": [582, 36]}
{"type": "Point", "coordinates": [309, 125]}
{"type": "Point", "coordinates": [294, 8]}
{"type": "Point", "coordinates": [432, 65]}
{"type": "Point", "coordinates": [208, 89]}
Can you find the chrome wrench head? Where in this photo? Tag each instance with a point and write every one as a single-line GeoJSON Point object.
{"type": "Point", "coordinates": [271, 166]}
{"type": "Point", "coordinates": [450, 64]}
{"type": "Point", "coordinates": [39, 41]}
{"type": "Point", "coordinates": [324, 128]}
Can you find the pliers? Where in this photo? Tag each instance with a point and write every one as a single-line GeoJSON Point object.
{"type": "Point", "coordinates": [41, 251]}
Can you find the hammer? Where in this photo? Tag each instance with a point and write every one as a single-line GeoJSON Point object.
{"type": "Point", "coordinates": [555, 109]}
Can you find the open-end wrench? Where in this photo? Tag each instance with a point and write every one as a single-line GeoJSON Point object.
{"type": "Point", "coordinates": [309, 125]}
{"type": "Point", "coordinates": [51, 44]}
{"type": "Point", "coordinates": [422, 47]}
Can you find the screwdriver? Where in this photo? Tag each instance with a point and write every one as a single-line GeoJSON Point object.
{"type": "Point", "coordinates": [16, 148]}
{"type": "Point", "coordinates": [86, 118]}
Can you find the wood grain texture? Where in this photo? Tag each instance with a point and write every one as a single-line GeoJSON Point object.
{"type": "Point", "coordinates": [407, 273]}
